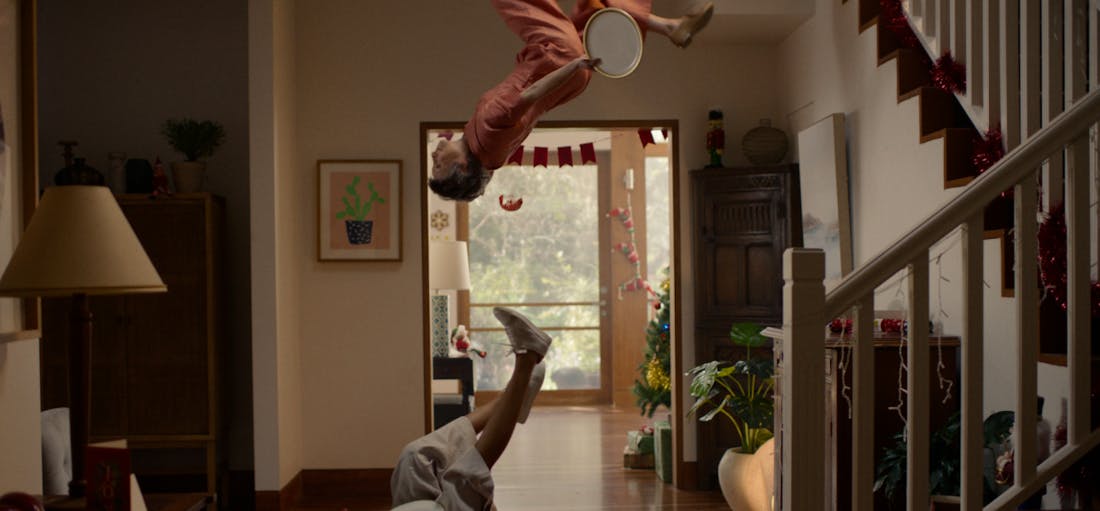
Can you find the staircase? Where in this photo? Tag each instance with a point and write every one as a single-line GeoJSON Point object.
{"type": "Point", "coordinates": [1032, 67]}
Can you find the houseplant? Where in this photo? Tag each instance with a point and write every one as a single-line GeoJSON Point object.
{"type": "Point", "coordinates": [195, 140]}
{"type": "Point", "coordinates": [741, 391]}
{"type": "Point", "coordinates": [355, 213]}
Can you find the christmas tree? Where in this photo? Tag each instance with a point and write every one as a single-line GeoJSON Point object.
{"type": "Point", "coordinates": [654, 387]}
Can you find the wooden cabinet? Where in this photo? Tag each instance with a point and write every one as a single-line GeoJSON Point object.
{"type": "Point", "coordinates": [744, 218]}
{"type": "Point", "coordinates": [155, 376]}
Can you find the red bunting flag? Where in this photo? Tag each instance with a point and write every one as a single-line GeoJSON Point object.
{"type": "Point", "coordinates": [645, 135]}
{"type": "Point", "coordinates": [664, 133]}
{"type": "Point", "coordinates": [541, 156]}
{"type": "Point", "coordinates": [588, 153]}
{"type": "Point", "coordinates": [516, 158]}
{"type": "Point", "coordinates": [565, 156]}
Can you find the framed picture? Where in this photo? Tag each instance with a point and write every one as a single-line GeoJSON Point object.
{"type": "Point", "coordinates": [18, 153]}
{"type": "Point", "coordinates": [823, 171]}
{"type": "Point", "coordinates": [359, 210]}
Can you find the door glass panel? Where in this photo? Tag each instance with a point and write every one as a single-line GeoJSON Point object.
{"type": "Point", "coordinates": [542, 260]}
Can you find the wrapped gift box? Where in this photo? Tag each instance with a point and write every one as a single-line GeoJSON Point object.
{"type": "Point", "coordinates": [639, 442]}
{"type": "Point", "coordinates": [662, 451]}
{"type": "Point", "coordinates": [635, 459]}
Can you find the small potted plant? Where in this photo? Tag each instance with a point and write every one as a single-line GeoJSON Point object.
{"type": "Point", "coordinates": [355, 212]}
{"type": "Point", "coordinates": [195, 140]}
{"type": "Point", "coordinates": [743, 392]}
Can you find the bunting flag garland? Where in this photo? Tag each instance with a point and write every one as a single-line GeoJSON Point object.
{"type": "Point", "coordinates": [517, 156]}
{"type": "Point", "coordinates": [646, 136]}
{"type": "Point", "coordinates": [565, 156]}
{"type": "Point", "coordinates": [540, 156]}
{"type": "Point", "coordinates": [588, 153]}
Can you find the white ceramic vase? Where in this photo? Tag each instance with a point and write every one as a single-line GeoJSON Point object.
{"type": "Point", "coordinates": [188, 176]}
{"type": "Point", "coordinates": [745, 479]}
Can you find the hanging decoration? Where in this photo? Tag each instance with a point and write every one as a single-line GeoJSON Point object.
{"type": "Point", "coordinates": [988, 150]}
{"type": "Point", "coordinates": [629, 250]}
{"type": "Point", "coordinates": [540, 156]}
{"type": "Point", "coordinates": [510, 204]}
{"type": "Point", "coordinates": [1053, 268]}
{"type": "Point", "coordinates": [948, 74]}
{"type": "Point", "coordinates": [892, 18]}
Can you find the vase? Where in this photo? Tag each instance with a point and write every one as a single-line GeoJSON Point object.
{"type": "Point", "coordinates": [188, 176]}
{"type": "Point", "coordinates": [743, 481]}
{"type": "Point", "coordinates": [764, 145]}
{"type": "Point", "coordinates": [359, 231]}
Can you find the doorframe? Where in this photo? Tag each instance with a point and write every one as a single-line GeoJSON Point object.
{"type": "Point", "coordinates": [684, 473]}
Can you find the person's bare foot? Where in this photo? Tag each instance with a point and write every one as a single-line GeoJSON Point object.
{"type": "Point", "coordinates": [691, 24]}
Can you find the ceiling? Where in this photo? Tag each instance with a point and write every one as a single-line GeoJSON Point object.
{"type": "Point", "coordinates": [746, 21]}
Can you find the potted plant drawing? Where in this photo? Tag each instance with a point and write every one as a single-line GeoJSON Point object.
{"type": "Point", "coordinates": [195, 140]}
{"type": "Point", "coordinates": [356, 210]}
{"type": "Point", "coordinates": [743, 393]}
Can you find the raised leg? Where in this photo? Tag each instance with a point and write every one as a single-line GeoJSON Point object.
{"type": "Point", "coordinates": [502, 419]}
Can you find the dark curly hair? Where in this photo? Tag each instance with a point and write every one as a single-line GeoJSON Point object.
{"type": "Point", "coordinates": [463, 185]}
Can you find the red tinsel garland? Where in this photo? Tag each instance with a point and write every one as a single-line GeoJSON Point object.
{"type": "Point", "coordinates": [892, 17]}
{"type": "Point", "coordinates": [948, 74]}
{"type": "Point", "coordinates": [1052, 261]}
{"type": "Point", "coordinates": [988, 149]}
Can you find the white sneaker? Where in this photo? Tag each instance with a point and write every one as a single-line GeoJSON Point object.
{"type": "Point", "coordinates": [533, 386]}
{"type": "Point", "coordinates": [523, 335]}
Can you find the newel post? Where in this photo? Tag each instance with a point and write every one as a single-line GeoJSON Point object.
{"type": "Point", "coordinates": [802, 433]}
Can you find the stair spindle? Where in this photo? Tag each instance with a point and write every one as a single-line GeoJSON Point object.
{"type": "Point", "coordinates": [917, 405]}
{"type": "Point", "coordinates": [1027, 306]}
{"type": "Point", "coordinates": [863, 407]}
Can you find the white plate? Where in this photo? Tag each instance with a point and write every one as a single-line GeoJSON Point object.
{"type": "Point", "coordinates": [614, 37]}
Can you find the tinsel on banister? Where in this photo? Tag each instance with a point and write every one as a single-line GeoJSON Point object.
{"type": "Point", "coordinates": [1053, 268]}
{"type": "Point", "coordinates": [892, 17]}
{"type": "Point", "coordinates": [948, 74]}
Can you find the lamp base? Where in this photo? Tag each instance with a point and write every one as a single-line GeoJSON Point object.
{"type": "Point", "coordinates": [441, 335]}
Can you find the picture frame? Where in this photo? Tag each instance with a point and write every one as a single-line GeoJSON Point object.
{"type": "Point", "coordinates": [19, 317]}
{"type": "Point", "coordinates": [359, 210]}
{"type": "Point", "coordinates": [826, 214]}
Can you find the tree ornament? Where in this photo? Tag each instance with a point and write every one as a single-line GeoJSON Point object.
{"type": "Point", "coordinates": [656, 376]}
{"type": "Point", "coordinates": [512, 204]}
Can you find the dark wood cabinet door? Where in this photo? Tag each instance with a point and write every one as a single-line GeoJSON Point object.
{"type": "Point", "coordinates": [743, 221]}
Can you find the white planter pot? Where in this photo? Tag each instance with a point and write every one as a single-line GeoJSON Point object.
{"type": "Point", "coordinates": [746, 479]}
{"type": "Point", "coordinates": [188, 176]}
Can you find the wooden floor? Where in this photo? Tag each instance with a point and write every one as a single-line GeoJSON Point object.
{"type": "Point", "coordinates": [571, 458]}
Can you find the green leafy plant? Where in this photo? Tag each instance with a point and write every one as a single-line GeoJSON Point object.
{"type": "Point", "coordinates": [742, 391]}
{"type": "Point", "coordinates": [194, 139]}
{"type": "Point", "coordinates": [360, 209]}
{"type": "Point", "coordinates": [945, 465]}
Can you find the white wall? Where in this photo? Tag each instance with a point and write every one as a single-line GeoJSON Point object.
{"type": "Point", "coordinates": [109, 74]}
{"type": "Point", "coordinates": [826, 67]}
{"type": "Point", "coordinates": [276, 377]}
{"type": "Point", "coordinates": [367, 74]}
{"type": "Point", "coordinates": [20, 418]}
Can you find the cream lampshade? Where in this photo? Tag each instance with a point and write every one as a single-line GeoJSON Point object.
{"type": "Point", "coordinates": [79, 243]}
{"type": "Point", "coordinates": [448, 265]}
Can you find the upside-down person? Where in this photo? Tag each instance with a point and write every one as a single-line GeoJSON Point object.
{"type": "Point", "coordinates": [550, 70]}
{"type": "Point", "coordinates": [451, 465]}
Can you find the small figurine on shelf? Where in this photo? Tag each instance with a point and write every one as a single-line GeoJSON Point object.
{"type": "Point", "coordinates": [160, 180]}
{"type": "Point", "coordinates": [461, 345]}
{"type": "Point", "coordinates": [716, 138]}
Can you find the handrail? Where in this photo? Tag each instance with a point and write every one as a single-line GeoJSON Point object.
{"type": "Point", "coordinates": [1013, 168]}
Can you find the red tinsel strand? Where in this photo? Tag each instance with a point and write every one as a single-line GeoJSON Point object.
{"type": "Point", "coordinates": [988, 150]}
{"type": "Point", "coordinates": [948, 74]}
{"type": "Point", "coordinates": [1053, 268]}
{"type": "Point", "coordinates": [892, 17]}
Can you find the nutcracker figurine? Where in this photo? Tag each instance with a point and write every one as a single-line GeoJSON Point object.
{"type": "Point", "coordinates": [716, 138]}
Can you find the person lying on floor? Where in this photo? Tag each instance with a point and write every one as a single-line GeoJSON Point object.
{"type": "Point", "coordinates": [550, 70]}
{"type": "Point", "coordinates": [452, 465]}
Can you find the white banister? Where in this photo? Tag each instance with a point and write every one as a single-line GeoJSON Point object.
{"type": "Point", "coordinates": [959, 32]}
{"type": "Point", "coordinates": [1054, 465]}
{"type": "Point", "coordinates": [1009, 30]}
{"type": "Point", "coordinates": [863, 407]}
{"type": "Point", "coordinates": [802, 385]}
{"type": "Point", "coordinates": [1027, 306]}
{"type": "Point", "coordinates": [1078, 337]}
{"type": "Point", "coordinates": [975, 68]}
{"type": "Point", "coordinates": [1003, 175]}
{"type": "Point", "coordinates": [992, 58]}
{"type": "Point", "coordinates": [973, 442]}
{"type": "Point", "coordinates": [1031, 73]}
{"type": "Point", "coordinates": [917, 430]}
{"type": "Point", "coordinates": [1053, 96]}
{"type": "Point", "coordinates": [943, 25]}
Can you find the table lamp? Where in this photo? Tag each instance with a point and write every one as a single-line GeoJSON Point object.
{"type": "Point", "coordinates": [79, 243]}
{"type": "Point", "coordinates": [448, 269]}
